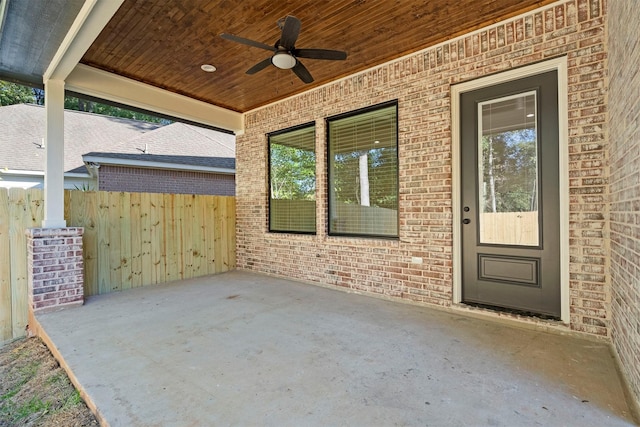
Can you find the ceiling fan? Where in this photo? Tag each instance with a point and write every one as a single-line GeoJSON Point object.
{"type": "Point", "coordinates": [285, 55]}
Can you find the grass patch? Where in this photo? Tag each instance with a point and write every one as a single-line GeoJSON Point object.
{"type": "Point", "coordinates": [35, 391]}
{"type": "Point", "coordinates": [33, 408]}
{"type": "Point", "coordinates": [73, 400]}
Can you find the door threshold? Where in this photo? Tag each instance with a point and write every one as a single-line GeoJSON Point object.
{"type": "Point", "coordinates": [516, 312]}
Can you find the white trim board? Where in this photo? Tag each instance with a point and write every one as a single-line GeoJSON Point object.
{"type": "Point", "coordinates": [112, 87]}
{"type": "Point", "coordinates": [111, 161]}
{"type": "Point", "coordinates": [559, 64]}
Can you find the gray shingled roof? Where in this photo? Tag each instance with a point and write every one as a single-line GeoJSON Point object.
{"type": "Point", "coordinates": [23, 129]}
{"type": "Point", "coordinates": [179, 144]}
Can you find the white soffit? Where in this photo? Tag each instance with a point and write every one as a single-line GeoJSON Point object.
{"type": "Point", "coordinates": [112, 87]}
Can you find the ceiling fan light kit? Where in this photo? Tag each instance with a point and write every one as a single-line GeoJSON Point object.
{"type": "Point", "coordinates": [285, 55]}
{"type": "Point", "coordinates": [283, 60]}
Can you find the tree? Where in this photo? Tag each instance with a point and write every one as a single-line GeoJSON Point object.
{"type": "Point", "coordinates": [510, 171]}
{"type": "Point", "coordinates": [79, 104]}
{"type": "Point", "coordinates": [12, 93]}
{"type": "Point", "coordinates": [293, 173]}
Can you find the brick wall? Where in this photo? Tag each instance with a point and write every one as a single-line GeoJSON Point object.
{"type": "Point", "coordinates": [624, 111]}
{"type": "Point", "coordinates": [422, 84]}
{"type": "Point", "coordinates": [55, 268]}
{"type": "Point", "coordinates": [141, 180]}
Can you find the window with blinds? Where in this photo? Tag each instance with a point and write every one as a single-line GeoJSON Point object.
{"type": "Point", "coordinates": [292, 180]}
{"type": "Point", "coordinates": [363, 172]}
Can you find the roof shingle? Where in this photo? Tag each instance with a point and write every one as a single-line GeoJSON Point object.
{"type": "Point", "coordinates": [23, 131]}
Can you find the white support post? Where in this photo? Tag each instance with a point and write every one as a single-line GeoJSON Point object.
{"type": "Point", "coordinates": [54, 152]}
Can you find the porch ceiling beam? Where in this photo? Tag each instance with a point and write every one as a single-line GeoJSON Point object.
{"type": "Point", "coordinates": [112, 87]}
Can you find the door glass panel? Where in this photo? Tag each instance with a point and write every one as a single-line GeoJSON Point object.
{"type": "Point", "coordinates": [508, 171]}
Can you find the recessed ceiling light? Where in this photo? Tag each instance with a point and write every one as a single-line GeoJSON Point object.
{"type": "Point", "coordinates": [208, 68]}
{"type": "Point", "coordinates": [530, 115]}
{"type": "Point", "coordinates": [376, 142]}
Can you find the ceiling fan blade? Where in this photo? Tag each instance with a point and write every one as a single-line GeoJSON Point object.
{"type": "Point", "coordinates": [247, 42]}
{"type": "Point", "coordinates": [259, 66]}
{"type": "Point", "coordinates": [290, 32]}
{"type": "Point", "coordinates": [320, 54]}
{"type": "Point", "coordinates": [302, 72]}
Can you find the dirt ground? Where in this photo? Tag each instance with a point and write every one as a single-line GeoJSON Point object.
{"type": "Point", "coordinates": [35, 390]}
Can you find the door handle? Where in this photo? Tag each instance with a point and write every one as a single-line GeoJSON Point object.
{"type": "Point", "coordinates": [466, 221]}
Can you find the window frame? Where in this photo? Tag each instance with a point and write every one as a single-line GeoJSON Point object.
{"type": "Point", "coordinates": [328, 120]}
{"type": "Point", "coordinates": [269, 135]}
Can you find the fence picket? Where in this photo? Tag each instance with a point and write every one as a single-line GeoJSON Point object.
{"type": "Point", "coordinates": [145, 239]}
{"type": "Point", "coordinates": [186, 226]}
{"type": "Point", "coordinates": [104, 256]}
{"type": "Point", "coordinates": [229, 233]}
{"type": "Point", "coordinates": [136, 241]}
{"type": "Point", "coordinates": [209, 228]}
{"type": "Point", "coordinates": [198, 240]}
{"type": "Point", "coordinates": [20, 219]}
{"type": "Point", "coordinates": [171, 239]}
{"type": "Point", "coordinates": [87, 217]}
{"type": "Point", "coordinates": [158, 240]}
{"type": "Point", "coordinates": [115, 267]}
{"type": "Point", "coordinates": [6, 329]}
{"type": "Point", "coordinates": [126, 275]}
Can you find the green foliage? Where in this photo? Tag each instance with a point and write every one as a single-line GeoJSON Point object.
{"type": "Point", "coordinates": [78, 104]}
{"type": "Point", "coordinates": [510, 161]}
{"type": "Point", "coordinates": [12, 93]}
{"type": "Point", "coordinates": [73, 399]}
{"type": "Point", "coordinates": [32, 407]}
{"type": "Point", "coordinates": [8, 409]}
{"type": "Point", "coordinates": [84, 187]}
{"type": "Point", "coordinates": [293, 173]}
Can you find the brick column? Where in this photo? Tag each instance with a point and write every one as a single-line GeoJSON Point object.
{"type": "Point", "coordinates": [55, 268]}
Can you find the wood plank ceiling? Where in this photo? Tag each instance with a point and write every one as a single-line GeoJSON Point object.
{"type": "Point", "coordinates": [164, 42]}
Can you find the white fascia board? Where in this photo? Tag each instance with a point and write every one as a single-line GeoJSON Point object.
{"type": "Point", "coordinates": [155, 165]}
{"type": "Point", "coordinates": [16, 172]}
{"type": "Point", "coordinates": [91, 20]}
{"type": "Point", "coordinates": [19, 172]}
{"type": "Point", "coordinates": [112, 87]}
{"type": "Point", "coordinates": [4, 6]}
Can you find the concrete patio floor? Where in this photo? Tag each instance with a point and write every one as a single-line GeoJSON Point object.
{"type": "Point", "coordinates": [247, 349]}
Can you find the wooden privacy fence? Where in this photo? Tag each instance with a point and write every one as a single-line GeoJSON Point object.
{"type": "Point", "coordinates": [510, 228]}
{"type": "Point", "coordinates": [130, 240]}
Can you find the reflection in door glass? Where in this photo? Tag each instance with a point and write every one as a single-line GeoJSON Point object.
{"type": "Point", "coordinates": [508, 171]}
